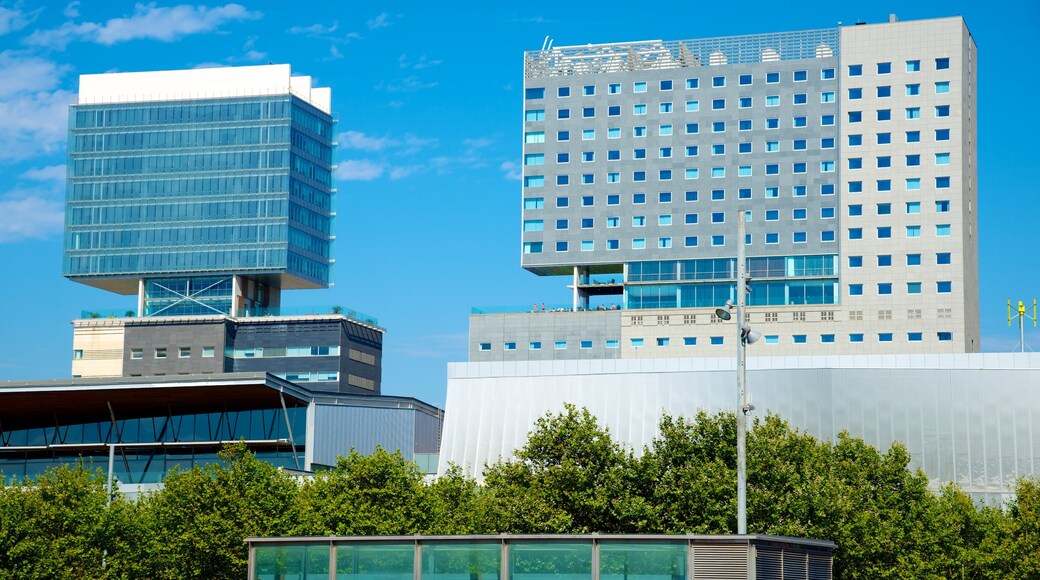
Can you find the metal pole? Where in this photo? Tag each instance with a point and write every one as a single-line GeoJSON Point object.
{"type": "Point", "coordinates": [741, 379]}
{"type": "Point", "coordinates": [111, 466]}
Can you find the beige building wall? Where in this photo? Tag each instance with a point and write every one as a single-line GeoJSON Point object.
{"type": "Point", "coordinates": [901, 312]}
{"type": "Point", "coordinates": [97, 348]}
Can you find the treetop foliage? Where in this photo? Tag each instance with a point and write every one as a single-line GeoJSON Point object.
{"type": "Point", "coordinates": [570, 477]}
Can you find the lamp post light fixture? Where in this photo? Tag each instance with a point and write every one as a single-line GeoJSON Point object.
{"type": "Point", "coordinates": [745, 336]}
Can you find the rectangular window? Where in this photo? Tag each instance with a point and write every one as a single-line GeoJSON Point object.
{"type": "Point", "coordinates": [884, 115]}
{"type": "Point", "coordinates": [639, 109]}
{"type": "Point", "coordinates": [944, 287]}
{"type": "Point", "coordinates": [693, 83]}
{"type": "Point", "coordinates": [744, 102]}
{"type": "Point", "coordinates": [535, 345]}
{"type": "Point", "coordinates": [534, 159]}
{"type": "Point", "coordinates": [207, 352]}
{"type": "Point", "coordinates": [611, 344]}
{"type": "Point", "coordinates": [884, 91]}
{"type": "Point", "coordinates": [588, 112]}
{"type": "Point", "coordinates": [942, 110]}
{"type": "Point", "coordinates": [942, 63]}
{"type": "Point", "coordinates": [718, 104]}
{"type": "Point", "coordinates": [534, 115]}
{"type": "Point", "coordinates": [718, 81]}
{"type": "Point", "coordinates": [744, 125]}
{"type": "Point", "coordinates": [665, 107]}
{"type": "Point", "coordinates": [563, 113]}
{"type": "Point", "coordinates": [913, 287]}
{"type": "Point", "coordinates": [534, 137]}
{"type": "Point", "coordinates": [942, 134]}
{"type": "Point", "coordinates": [666, 85]}
{"type": "Point", "coordinates": [639, 131]}
{"type": "Point", "coordinates": [536, 93]}
{"type": "Point", "coordinates": [943, 258]}
{"type": "Point", "coordinates": [942, 230]}
{"type": "Point", "coordinates": [941, 88]}
{"type": "Point", "coordinates": [638, 243]}
{"type": "Point", "coordinates": [588, 134]}
{"type": "Point", "coordinates": [913, 231]}
{"type": "Point", "coordinates": [855, 289]}
{"type": "Point", "coordinates": [913, 259]}
{"type": "Point", "coordinates": [184, 352]}
{"type": "Point", "coordinates": [563, 136]}
{"type": "Point", "coordinates": [508, 346]}
{"type": "Point", "coordinates": [912, 90]}
{"type": "Point", "coordinates": [884, 138]}
{"type": "Point", "coordinates": [639, 87]}
{"type": "Point", "coordinates": [942, 182]}
{"type": "Point", "coordinates": [636, 342]}
{"type": "Point", "coordinates": [160, 353]}
{"type": "Point", "coordinates": [883, 68]}
{"type": "Point", "coordinates": [718, 240]}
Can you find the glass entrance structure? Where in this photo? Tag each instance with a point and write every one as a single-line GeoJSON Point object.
{"type": "Point", "coordinates": [540, 557]}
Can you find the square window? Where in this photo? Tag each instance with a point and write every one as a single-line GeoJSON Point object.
{"type": "Point", "coordinates": [941, 88]}
{"type": "Point", "coordinates": [693, 83]}
{"type": "Point", "coordinates": [692, 128]}
{"type": "Point", "coordinates": [912, 90]}
{"type": "Point", "coordinates": [692, 150]}
{"type": "Point", "coordinates": [666, 85]}
{"type": "Point", "coordinates": [773, 77]}
{"type": "Point", "coordinates": [562, 179]}
{"type": "Point", "coordinates": [857, 337]}
{"type": "Point", "coordinates": [587, 201]}
{"type": "Point", "coordinates": [913, 160]}
{"type": "Point", "coordinates": [745, 80]}
{"type": "Point", "coordinates": [563, 113]}
{"type": "Point", "coordinates": [563, 135]}
{"type": "Point", "coordinates": [744, 148]}
{"type": "Point", "coordinates": [855, 116]}
{"type": "Point", "coordinates": [800, 98]}
{"type": "Point", "coordinates": [773, 100]}
{"type": "Point", "coordinates": [884, 260]}
{"type": "Point", "coordinates": [883, 68]}
{"type": "Point", "coordinates": [561, 246]}
{"type": "Point", "coordinates": [691, 241]}
{"type": "Point", "coordinates": [942, 258]}
{"type": "Point", "coordinates": [884, 138]}
{"type": "Point", "coordinates": [588, 112]}
{"type": "Point", "coordinates": [718, 104]}
{"type": "Point", "coordinates": [884, 91]}
{"type": "Point", "coordinates": [718, 81]}
{"type": "Point", "coordinates": [773, 123]}
{"type": "Point", "coordinates": [855, 70]}
{"type": "Point", "coordinates": [913, 259]}
{"type": "Point", "coordinates": [884, 115]}
{"type": "Point", "coordinates": [942, 63]}
{"type": "Point", "coordinates": [614, 88]}
{"type": "Point", "coordinates": [913, 66]}
{"type": "Point", "coordinates": [855, 289]}
{"type": "Point", "coordinates": [884, 289]}
{"type": "Point", "coordinates": [827, 74]}
{"type": "Point", "coordinates": [800, 76]}
{"type": "Point", "coordinates": [563, 202]}
{"type": "Point", "coordinates": [744, 125]}
{"type": "Point", "coordinates": [944, 287]}
{"type": "Point", "coordinates": [691, 196]}
{"type": "Point", "coordinates": [207, 352]}
{"type": "Point", "coordinates": [665, 107]}
{"type": "Point", "coordinates": [942, 134]}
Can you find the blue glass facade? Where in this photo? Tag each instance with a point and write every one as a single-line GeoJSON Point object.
{"type": "Point", "coordinates": [203, 187]}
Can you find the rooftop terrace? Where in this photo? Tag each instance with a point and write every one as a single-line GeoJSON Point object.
{"type": "Point", "coordinates": [659, 54]}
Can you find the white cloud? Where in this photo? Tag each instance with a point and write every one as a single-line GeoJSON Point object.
{"type": "Point", "coordinates": [334, 52]}
{"type": "Point", "coordinates": [148, 21]}
{"type": "Point", "coordinates": [34, 111]}
{"type": "Point", "coordinates": [71, 9]}
{"type": "Point", "coordinates": [13, 19]}
{"type": "Point", "coordinates": [30, 214]}
{"type": "Point", "coordinates": [314, 29]}
{"type": "Point", "coordinates": [406, 84]}
{"type": "Point", "coordinates": [423, 62]}
{"type": "Point", "coordinates": [53, 173]}
{"type": "Point", "coordinates": [511, 170]}
{"type": "Point", "coordinates": [380, 21]}
{"type": "Point", "coordinates": [359, 170]}
{"type": "Point", "coordinates": [358, 140]}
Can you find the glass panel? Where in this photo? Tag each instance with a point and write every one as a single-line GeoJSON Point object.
{"type": "Point", "coordinates": [642, 561]}
{"type": "Point", "coordinates": [550, 560]}
{"type": "Point", "coordinates": [461, 561]}
{"type": "Point", "coordinates": [294, 562]}
{"type": "Point", "coordinates": [376, 561]}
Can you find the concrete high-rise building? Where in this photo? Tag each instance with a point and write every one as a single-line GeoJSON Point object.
{"type": "Point", "coordinates": [852, 150]}
{"type": "Point", "coordinates": [206, 193]}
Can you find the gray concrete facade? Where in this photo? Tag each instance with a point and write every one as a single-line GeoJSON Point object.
{"type": "Point", "coordinates": [558, 336]}
{"type": "Point", "coordinates": [784, 158]}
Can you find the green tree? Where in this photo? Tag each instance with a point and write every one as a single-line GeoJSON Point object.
{"type": "Point", "coordinates": [379, 494]}
{"type": "Point", "coordinates": [570, 477]}
{"type": "Point", "coordinates": [688, 475]}
{"type": "Point", "coordinates": [56, 525]}
{"type": "Point", "coordinates": [198, 520]}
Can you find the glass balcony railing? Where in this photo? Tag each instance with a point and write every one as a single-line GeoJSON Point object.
{"type": "Point", "coordinates": [306, 310]}
{"type": "Point", "coordinates": [109, 313]}
{"type": "Point", "coordinates": [536, 308]}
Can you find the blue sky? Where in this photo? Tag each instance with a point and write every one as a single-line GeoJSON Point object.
{"type": "Point", "coordinates": [429, 101]}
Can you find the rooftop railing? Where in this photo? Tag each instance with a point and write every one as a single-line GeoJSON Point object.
{"type": "Point", "coordinates": [309, 310]}
{"type": "Point", "coordinates": [659, 54]}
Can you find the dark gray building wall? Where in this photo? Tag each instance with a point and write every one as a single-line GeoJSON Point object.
{"type": "Point", "coordinates": [149, 335]}
{"type": "Point", "coordinates": [343, 333]}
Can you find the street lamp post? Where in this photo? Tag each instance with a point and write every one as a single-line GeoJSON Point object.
{"type": "Point", "coordinates": [741, 378]}
{"type": "Point", "coordinates": [745, 336]}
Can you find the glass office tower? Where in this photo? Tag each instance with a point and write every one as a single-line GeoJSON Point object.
{"type": "Point", "coordinates": [202, 191]}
